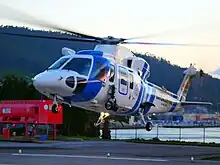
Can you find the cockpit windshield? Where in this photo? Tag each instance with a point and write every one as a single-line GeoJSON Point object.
{"type": "Point", "coordinates": [59, 63]}
{"type": "Point", "coordinates": [79, 65]}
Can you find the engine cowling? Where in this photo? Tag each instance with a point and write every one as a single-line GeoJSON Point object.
{"type": "Point", "coordinates": [139, 65]}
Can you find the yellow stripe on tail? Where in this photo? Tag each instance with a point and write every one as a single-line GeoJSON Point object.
{"type": "Point", "coordinates": [184, 87]}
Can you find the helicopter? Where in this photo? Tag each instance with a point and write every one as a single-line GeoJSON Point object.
{"type": "Point", "coordinates": [109, 79]}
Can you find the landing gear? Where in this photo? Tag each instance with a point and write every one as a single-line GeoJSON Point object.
{"type": "Point", "coordinates": [148, 125]}
{"type": "Point", "coordinates": [54, 107]}
{"type": "Point", "coordinates": [111, 102]}
{"type": "Point", "coordinates": [101, 119]}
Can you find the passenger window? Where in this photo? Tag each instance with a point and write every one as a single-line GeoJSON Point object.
{"type": "Point", "coordinates": [112, 74]}
{"type": "Point", "coordinates": [123, 80]}
{"type": "Point", "coordinates": [123, 76]}
{"type": "Point", "coordinates": [131, 80]}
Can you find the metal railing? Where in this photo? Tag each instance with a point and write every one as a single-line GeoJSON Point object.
{"type": "Point", "coordinates": [200, 134]}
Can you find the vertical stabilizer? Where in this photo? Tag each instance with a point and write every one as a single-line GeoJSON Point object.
{"type": "Point", "coordinates": [190, 73]}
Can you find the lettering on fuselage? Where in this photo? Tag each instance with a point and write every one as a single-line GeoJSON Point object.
{"type": "Point", "coordinates": [165, 102]}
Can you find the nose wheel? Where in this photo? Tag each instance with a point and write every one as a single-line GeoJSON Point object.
{"type": "Point", "coordinates": [101, 119]}
{"type": "Point", "coordinates": [54, 107]}
{"type": "Point", "coordinates": [111, 102]}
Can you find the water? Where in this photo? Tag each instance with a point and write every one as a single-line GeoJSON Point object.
{"type": "Point", "coordinates": [183, 134]}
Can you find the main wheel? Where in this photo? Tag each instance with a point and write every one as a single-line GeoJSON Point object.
{"type": "Point", "coordinates": [149, 126]}
{"type": "Point", "coordinates": [54, 108]}
{"type": "Point", "coordinates": [109, 105]}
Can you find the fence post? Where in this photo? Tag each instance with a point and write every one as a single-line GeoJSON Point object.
{"type": "Point", "coordinates": [157, 131]}
{"type": "Point", "coordinates": [204, 134]}
{"type": "Point", "coordinates": [180, 134]}
{"type": "Point", "coordinates": [135, 133]}
{"type": "Point", "coordinates": [115, 133]}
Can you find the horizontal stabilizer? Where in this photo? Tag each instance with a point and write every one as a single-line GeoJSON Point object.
{"type": "Point", "coordinates": [185, 103]}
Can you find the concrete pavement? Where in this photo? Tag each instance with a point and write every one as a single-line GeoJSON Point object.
{"type": "Point", "coordinates": [95, 152]}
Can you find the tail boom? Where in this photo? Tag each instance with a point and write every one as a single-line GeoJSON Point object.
{"type": "Point", "coordinates": [190, 73]}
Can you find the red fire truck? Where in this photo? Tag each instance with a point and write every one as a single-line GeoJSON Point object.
{"type": "Point", "coordinates": [29, 112]}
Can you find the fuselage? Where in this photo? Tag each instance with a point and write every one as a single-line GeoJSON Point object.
{"type": "Point", "coordinates": [84, 79]}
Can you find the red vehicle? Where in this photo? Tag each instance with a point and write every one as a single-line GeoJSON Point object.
{"type": "Point", "coordinates": [30, 112]}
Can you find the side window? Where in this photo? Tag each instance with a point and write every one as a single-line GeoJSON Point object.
{"type": "Point", "coordinates": [123, 80]}
{"type": "Point", "coordinates": [131, 80]}
{"type": "Point", "coordinates": [112, 74]}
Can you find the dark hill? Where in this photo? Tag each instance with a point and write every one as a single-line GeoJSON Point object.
{"type": "Point", "coordinates": [29, 56]}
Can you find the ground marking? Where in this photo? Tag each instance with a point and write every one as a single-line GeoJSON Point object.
{"type": "Point", "coordinates": [89, 157]}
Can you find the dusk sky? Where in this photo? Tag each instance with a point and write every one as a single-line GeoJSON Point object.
{"type": "Point", "coordinates": [187, 21]}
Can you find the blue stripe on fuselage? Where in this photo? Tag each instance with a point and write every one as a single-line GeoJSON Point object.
{"type": "Point", "coordinates": [151, 100]}
{"type": "Point", "coordinates": [153, 95]}
{"type": "Point", "coordinates": [173, 106]}
{"type": "Point", "coordinates": [147, 92]}
{"type": "Point", "coordinates": [137, 103]}
{"type": "Point", "coordinates": [144, 70]}
{"type": "Point", "coordinates": [89, 93]}
{"type": "Point", "coordinates": [175, 96]}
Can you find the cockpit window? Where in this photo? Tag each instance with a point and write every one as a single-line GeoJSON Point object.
{"type": "Point", "coordinates": [79, 65]}
{"type": "Point", "coordinates": [59, 63]}
{"type": "Point", "coordinates": [99, 71]}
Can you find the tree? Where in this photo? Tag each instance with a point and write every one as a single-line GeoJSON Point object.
{"type": "Point", "coordinates": [17, 88]}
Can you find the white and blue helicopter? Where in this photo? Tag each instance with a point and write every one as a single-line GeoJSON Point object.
{"type": "Point", "coordinates": [94, 80]}
{"type": "Point", "coordinates": [109, 80]}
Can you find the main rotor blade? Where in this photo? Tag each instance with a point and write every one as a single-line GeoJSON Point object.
{"type": "Point", "coordinates": [16, 15]}
{"type": "Point", "coordinates": [147, 36]}
{"type": "Point", "coordinates": [168, 44]}
{"type": "Point", "coordinates": [51, 37]}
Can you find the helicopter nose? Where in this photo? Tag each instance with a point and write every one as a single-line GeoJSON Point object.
{"type": "Point", "coordinates": [44, 80]}
{"type": "Point", "coordinates": [40, 81]}
{"type": "Point", "coordinates": [52, 83]}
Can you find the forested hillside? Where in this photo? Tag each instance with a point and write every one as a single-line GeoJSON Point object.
{"type": "Point", "coordinates": [28, 56]}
